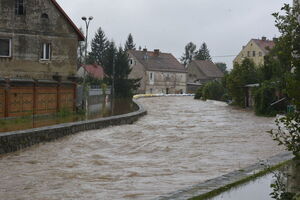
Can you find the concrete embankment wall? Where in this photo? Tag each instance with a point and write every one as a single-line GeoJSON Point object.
{"type": "Point", "coordinates": [17, 140]}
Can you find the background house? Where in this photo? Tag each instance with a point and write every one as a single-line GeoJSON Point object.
{"type": "Point", "coordinates": [255, 50]}
{"type": "Point", "coordinates": [38, 57]}
{"type": "Point", "coordinates": [95, 71]}
{"type": "Point", "coordinates": [159, 72]}
{"type": "Point", "coordinates": [200, 72]}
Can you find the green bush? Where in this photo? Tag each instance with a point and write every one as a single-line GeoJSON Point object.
{"type": "Point", "coordinates": [288, 132]}
{"type": "Point", "coordinates": [213, 90]}
{"type": "Point", "coordinates": [198, 93]}
{"type": "Point", "coordinates": [264, 97]}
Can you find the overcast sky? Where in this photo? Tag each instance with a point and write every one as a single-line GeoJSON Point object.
{"type": "Point", "coordinates": [168, 25]}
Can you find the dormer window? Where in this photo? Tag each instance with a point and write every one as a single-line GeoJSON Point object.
{"type": "Point", "coordinates": [20, 7]}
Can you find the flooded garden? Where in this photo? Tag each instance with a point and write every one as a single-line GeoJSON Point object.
{"type": "Point", "coordinates": [103, 109]}
{"type": "Point", "coordinates": [181, 142]}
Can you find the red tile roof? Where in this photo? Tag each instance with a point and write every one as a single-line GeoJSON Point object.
{"type": "Point", "coordinates": [80, 35]}
{"type": "Point", "coordinates": [265, 45]}
{"type": "Point", "coordinates": [95, 71]}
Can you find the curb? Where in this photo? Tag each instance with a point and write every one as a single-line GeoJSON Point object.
{"type": "Point", "coordinates": [220, 184]}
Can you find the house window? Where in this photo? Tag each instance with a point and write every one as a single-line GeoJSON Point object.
{"type": "Point", "coordinates": [248, 53]}
{"type": "Point", "coordinates": [20, 7]}
{"type": "Point", "coordinates": [5, 47]}
{"type": "Point", "coordinates": [260, 53]}
{"type": "Point", "coordinates": [151, 77]}
{"type": "Point", "coordinates": [46, 51]}
{"type": "Point", "coordinates": [131, 62]}
{"type": "Point", "coordinates": [253, 53]}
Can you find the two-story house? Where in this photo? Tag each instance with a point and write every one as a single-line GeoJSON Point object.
{"type": "Point", "coordinates": [38, 57]}
{"type": "Point", "coordinates": [255, 50]}
{"type": "Point", "coordinates": [159, 72]}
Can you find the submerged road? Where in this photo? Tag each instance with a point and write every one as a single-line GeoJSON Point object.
{"type": "Point", "coordinates": [179, 143]}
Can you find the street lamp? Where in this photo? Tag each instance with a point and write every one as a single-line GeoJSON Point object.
{"type": "Point", "coordinates": [87, 24]}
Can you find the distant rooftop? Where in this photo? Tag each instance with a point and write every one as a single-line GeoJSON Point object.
{"type": "Point", "coordinates": [158, 61]}
{"type": "Point", "coordinates": [265, 44]}
{"type": "Point", "coordinates": [209, 68]}
{"type": "Point", "coordinates": [95, 70]}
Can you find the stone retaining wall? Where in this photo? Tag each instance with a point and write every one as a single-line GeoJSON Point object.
{"type": "Point", "coordinates": [16, 140]}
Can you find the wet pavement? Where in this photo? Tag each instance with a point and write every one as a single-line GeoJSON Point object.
{"type": "Point", "coordinates": [179, 143]}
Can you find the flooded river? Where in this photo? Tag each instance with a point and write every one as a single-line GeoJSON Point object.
{"type": "Point", "coordinates": [179, 143]}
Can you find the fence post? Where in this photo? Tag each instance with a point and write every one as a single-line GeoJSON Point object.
{"type": "Point", "coordinates": [34, 98]}
{"type": "Point", "coordinates": [58, 97]}
{"type": "Point", "coordinates": [6, 96]}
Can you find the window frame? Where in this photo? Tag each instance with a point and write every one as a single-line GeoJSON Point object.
{"type": "Point", "coordinates": [151, 78]}
{"type": "Point", "coordinates": [43, 56]}
{"type": "Point", "coordinates": [18, 4]}
{"type": "Point", "coordinates": [10, 48]}
{"type": "Point", "coordinates": [253, 53]}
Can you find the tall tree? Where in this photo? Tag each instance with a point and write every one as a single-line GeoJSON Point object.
{"type": "Point", "coordinates": [203, 53]}
{"type": "Point", "coordinates": [189, 54]}
{"type": "Point", "coordinates": [241, 75]}
{"type": "Point", "coordinates": [99, 46]}
{"type": "Point", "coordinates": [116, 66]}
{"type": "Point", "coordinates": [129, 45]}
{"type": "Point", "coordinates": [222, 67]}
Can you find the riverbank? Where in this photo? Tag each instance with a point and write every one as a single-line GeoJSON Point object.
{"type": "Point", "coordinates": [17, 140]}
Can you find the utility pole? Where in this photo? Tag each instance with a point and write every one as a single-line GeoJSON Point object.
{"type": "Point", "coordinates": [87, 24]}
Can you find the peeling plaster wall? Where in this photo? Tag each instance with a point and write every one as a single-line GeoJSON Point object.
{"type": "Point", "coordinates": [28, 32]}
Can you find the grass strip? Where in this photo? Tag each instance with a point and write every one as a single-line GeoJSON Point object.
{"type": "Point", "coordinates": [225, 188]}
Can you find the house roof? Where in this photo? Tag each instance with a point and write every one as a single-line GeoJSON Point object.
{"type": "Point", "coordinates": [80, 35]}
{"type": "Point", "coordinates": [95, 70]}
{"type": "Point", "coordinates": [209, 68]}
{"type": "Point", "coordinates": [265, 45]}
{"type": "Point", "coordinates": [158, 62]}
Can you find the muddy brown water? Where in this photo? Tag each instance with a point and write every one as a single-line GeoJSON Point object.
{"type": "Point", "coordinates": [179, 143]}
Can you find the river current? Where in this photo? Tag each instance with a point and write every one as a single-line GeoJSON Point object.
{"type": "Point", "coordinates": [181, 142]}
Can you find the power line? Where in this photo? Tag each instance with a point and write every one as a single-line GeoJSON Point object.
{"type": "Point", "coordinates": [224, 56]}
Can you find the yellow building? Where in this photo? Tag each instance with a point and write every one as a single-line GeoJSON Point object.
{"type": "Point", "coordinates": [255, 50]}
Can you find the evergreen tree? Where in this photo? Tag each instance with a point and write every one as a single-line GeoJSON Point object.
{"type": "Point", "coordinates": [203, 53]}
{"type": "Point", "coordinates": [116, 66]}
{"type": "Point", "coordinates": [222, 67]}
{"type": "Point", "coordinates": [99, 46]}
{"type": "Point", "coordinates": [129, 45]}
{"type": "Point", "coordinates": [188, 54]}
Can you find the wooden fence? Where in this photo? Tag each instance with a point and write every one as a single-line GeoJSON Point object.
{"type": "Point", "coordinates": [26, 97]}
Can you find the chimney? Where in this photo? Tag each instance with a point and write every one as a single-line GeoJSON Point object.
{"type": "Point", "coordinates": [156, 52]}
{"type": "Point", "coordinates": [145, 54]}
{"type": "Point", "coordinates": [264, 38]}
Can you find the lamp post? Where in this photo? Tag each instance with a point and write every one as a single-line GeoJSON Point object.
{"type": "Point", "coordinates": [87, 24]}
